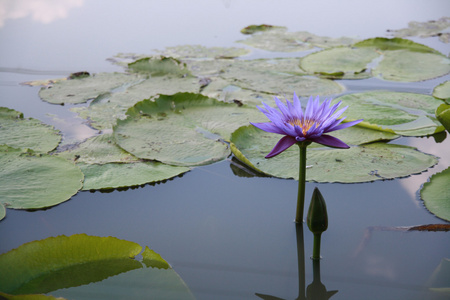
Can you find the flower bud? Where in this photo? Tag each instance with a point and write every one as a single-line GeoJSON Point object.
{"type": "Point", "coordinates": [317, 218]}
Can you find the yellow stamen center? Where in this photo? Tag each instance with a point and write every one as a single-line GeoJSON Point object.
{"type": "Point", "coordinates": [304, 124]}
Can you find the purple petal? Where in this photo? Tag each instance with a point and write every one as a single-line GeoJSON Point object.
{"type": "Point", "coordinates": [345, 125]}
{"type": "Point", "coordinates": [330, 141]}
{"type": "Point", "coordinates": [269, 127]}
{"type": "Point", "coordinates": [284, 143]}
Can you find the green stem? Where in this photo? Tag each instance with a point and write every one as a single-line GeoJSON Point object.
{"type": "Point", "coordinates": [301, 182]}
{"type": "Point", "coordinates": [316, 247]}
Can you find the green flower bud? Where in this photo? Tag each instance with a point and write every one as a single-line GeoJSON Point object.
{"type": "Point", "coordinates": [317, 218]}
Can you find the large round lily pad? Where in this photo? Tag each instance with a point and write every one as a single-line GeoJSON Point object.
{"type": "Point", "coordinates": [183, 129]}
{"type": "Point", "coordinates": [80, 90]}
{"type": "Point", "coordinates": [363, 163]}
{"type": "Point", "coordinates": [19, 132]}
{"type": "Point", "coordinates": [32, 181]}
{"type": "Point", "coordinates": [103, 111]}
{"type": "Point", "coordinates": [435, 194]}
{"type": "Point", "coordinates": [406, 114]}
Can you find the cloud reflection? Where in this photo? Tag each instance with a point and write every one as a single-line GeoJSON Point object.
{"type": "Point", "coordinates": [43, 11]}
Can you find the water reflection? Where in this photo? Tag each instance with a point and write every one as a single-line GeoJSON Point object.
{"type": "Point", "coordinates": [43, 11]}
{"type": "Point", "coordinates": [316, 290]}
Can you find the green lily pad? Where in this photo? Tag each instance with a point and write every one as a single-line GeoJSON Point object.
{"type": "Point", "coordinates": [107, 166]}
{"type": "Point", "coordinates": [435, 194]}
{"type": "Point", "coordinates": [406, 114]}
{"type": "Point", "coordinates": [19, 132]}
{"type": "Point", "coordinates": [32, 181]}
{"type": "Point", "coordinates": [260, 78]}
{"type": "Point", "coordinates": [363, 163]}
{"type": "Point", "coordinates": [423, 29]}
{"type": "Point", "coordinates": [443, 115]}
{"type": "Point", "coordinates": [64, 261]}
{"type": "Point", "coordinates": [117, 175]}
{"type": "Point", "coordinates": [201, 52]}
{"type": "Point", "coordinates": [159, 66]}
{"type": "Point", "coordinates": [251, 29]}
{"type": "Point", "coordinates": [2, 211]}
{"type": "Point", "coordinates": [183, 129]}
{"type": "Point", "coordinates": [442, 91]}
{"type": "Point", "coordinates": [340, 62]}
{"type": "Point", "coordinates": [75, 265]}
{"type": "Point", "coordinates": [5, 296]}
{"type": "Point", "coordinates": [83, 89]}
{"type": "Point", "coordinates": [278, 39]}
{"type": "Point", "coordinates": [405, 65]}
{"type": "Point", "coordinates": [390, 59]}
{"type": "Point", "coordinates": [103, 112]}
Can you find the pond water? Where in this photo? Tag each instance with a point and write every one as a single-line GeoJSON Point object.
{"type": "Point", "coordinates": [227, 233]}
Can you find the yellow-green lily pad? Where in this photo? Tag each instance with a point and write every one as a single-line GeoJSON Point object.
{"type": "Point", "coordinates": [406, 114]}
{"type": "Point", "coordinates": [360, 163]}
{"type": "Point", "coordinates": [442, 91]}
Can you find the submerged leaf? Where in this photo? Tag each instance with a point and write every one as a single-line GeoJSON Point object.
{"type": "Point", "coordinates": [32, 181]}
{"type": "Point", "coordinates": [19, 132]}
{"type": "Point", "coordinates": [364, 163]}
{"type": "Point", "coordinates": [435, 194]}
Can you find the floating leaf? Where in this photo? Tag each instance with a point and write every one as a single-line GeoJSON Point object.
{"type": "Point", "coordinates": [4, 296]}
{"type": "Point", "coordinates": [103, 112]}
{"type": "Point", "coordinates": [251, 29]}
{"type": "Point", "coordinates": [262, 79]}
{"type": "Point", "coordinates": [340, 62]}
{"type": "Point", "coordinates": [406, 114]}
{"type": "Point", "coordinates": [159, 66]}
{"type": "Point", "coordinates": [18, 132]}
{"type": "Point", "coordinates": [363, 163]}
{"type": "Point", "coordinates": [183, 129]}
{"type": "Point", "coordinates": [423, 29]}
{"type": "Point", "coordinates": [65, 261]}
{"type": "Point", "coordinates": [32, 181]}
{"type": "Point", "coordinates": [85, 88]}
{"type": "Point", "coordinates": [442, 91]}
{"type": "Point", "coordinates": [117, 175]}
{"type": "Point", "coordinates": [435, 194]}
{"type": "Point", "coordinates": [2, 211]}
{"type": "Point", "coordinates": [443, 115]}
{"type": "Point", "coordinates": [185, 52]}
{"type": "Point", "coordinates": [280, 40]}
{"type": "Point", "coordinates": [386, 44]}
{"type": "Point", "coordinates": [153, 259]}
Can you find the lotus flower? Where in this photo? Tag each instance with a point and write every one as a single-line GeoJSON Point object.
{"type": "Point", "coordinates": [309, 126]}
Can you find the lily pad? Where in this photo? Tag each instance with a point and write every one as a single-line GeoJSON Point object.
{"type": "Point", "coordinates": [82, 89]}
{"type": "Point", "coordinates": [435, 194]}
{"type": "Point", "coordinates": [363, 163]}
{"type": "Point", "coordinates": [423, 29]}
{"type": "Point", "coordinates": [32, 181]}
{"type": "Point", "coordinates": [260, 78]}
{"type": "Point", "coordinates": [185, 52]}
{"type": "Point", "coordinates": [2, 211]}
{"type": "Point", "coordinates": [159, 66]}
{"type": "Point", "coordinates": [103, 112]}
{"type": "Point", "coordinates": [340, 62]}
{"type": "Point", "coordinates": [5, 296]}
{"type": "Point", "coordinates": [443, 115]}
{"type": "Point", "coordinates": [390, 59]}
{"type": "Point", "coordinates": [19, 132]}
{"type": "Point", "coordinates": [406, 114]}
{"type": "Point", "coordinates": [251, 29]}
{"type": "Point", "coordinates": [442, 91]}
{"type": "Point", "coordinates": [117, 175]}
{"type": "Point", "coordinates": [75, 265]}
{"type": "Point", "coordinates": [183, 129]}
{"type": "Point", "coordinates": [278, 39]}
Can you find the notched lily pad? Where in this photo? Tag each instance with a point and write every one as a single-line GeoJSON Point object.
{"type": "Point", "coordinates": [33, 181]}
{"type": "Point", "coordinates": [159, 66]}
{"type": "Point", "coordinates": [406, 114]}
{"type": "Point", "coordinates": [82, 89]}
{"type": "Point", "coordinates": [19, 132]}
{"type": "Point", "coordinates": [435, 194]}
{"type": "Point", "coordinates": [363, 163]}
{"type": "Point", "coordinates": [183, 129]}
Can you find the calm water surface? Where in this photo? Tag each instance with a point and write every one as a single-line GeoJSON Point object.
{"type": "Point", "coordinates": [227, 234]}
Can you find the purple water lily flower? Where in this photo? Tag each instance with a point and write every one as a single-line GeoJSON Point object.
{"type": "Point", "coordinates": [299, 126]}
